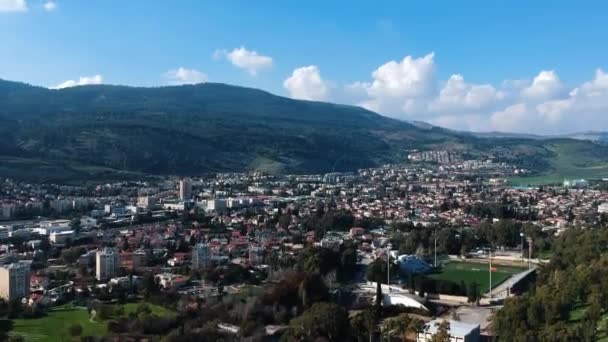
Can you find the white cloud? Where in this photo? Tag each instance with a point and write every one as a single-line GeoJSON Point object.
{"type": "Point", "coordinates": [400, 86]}
{"type": "Point", "coordinates": [545, 86]}
{"type": "Point", "coordinates": [83, 80]}
{"type": "Point", "coordinates": [249, 60]}
{"type": "Point", "coordinates": [514, 118]}
{"type": "Point", "coordinates": [457, 95]}
{"type": "Point", "coordinates": [464, 122]}
{"type": "Point", "coordinates": [306, 83]}
{"type": "Point", "coordinates": [408, 89]}
{"type": "Point", "coordinates": [13, 6]}
{"type": "Point", "coordinates": [50, 6]}
{"type": "Point", "coordinates": [182, 75]}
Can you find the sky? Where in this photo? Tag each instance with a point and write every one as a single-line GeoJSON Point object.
{"type": "Point", "coordinates": [512, 66]}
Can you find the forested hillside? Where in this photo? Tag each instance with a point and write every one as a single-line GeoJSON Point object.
{"type": "Point", "coordinates": [98, 131]}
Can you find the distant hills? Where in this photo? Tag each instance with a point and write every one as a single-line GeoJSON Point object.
{"type": "Point", "coordinates": [106, 131]}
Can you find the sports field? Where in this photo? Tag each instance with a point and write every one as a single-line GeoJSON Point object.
{"type": "Point", "coordinates": [470, 273]}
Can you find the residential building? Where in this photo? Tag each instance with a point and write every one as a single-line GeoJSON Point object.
{"type": "Point", "coordinates": [14, 281]}
{"type": "Point", "coordinates": [201, 256]}
{"type": "Point", "coordinates": [4, 232]}
{"type": "Point", "coordinates": [185, 189]}
{"type": "Point", "coordinates": [107, 263]}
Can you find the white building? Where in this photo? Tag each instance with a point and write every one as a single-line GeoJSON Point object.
{"type": "Point", "coordinates": [14, 281]}
{"type": "Point", "coordinates": [5, 232]}
{"type": "Point", "coordinates": [62, 238]}
{"type": "Point", "coordinates": [602, 208]}
{"type": "Point", "coordinates": [53, 226]}
{"type": "Point", "coordinates": [459, 331]}
{"type": "Point", "coordinates": [185, 189]}
{"type": "Point", "coordinates": [107, 263]}
{"type": "Point", "coordinates": [61, 205]}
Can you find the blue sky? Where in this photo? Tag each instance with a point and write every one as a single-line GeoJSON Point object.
{"type": "Point", "coordinates": [504, 45]}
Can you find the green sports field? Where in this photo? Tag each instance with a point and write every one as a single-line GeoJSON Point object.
{"type": "Point", "coordinates": [470, 273]}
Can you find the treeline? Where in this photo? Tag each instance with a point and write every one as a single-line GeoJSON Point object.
{"type": "Point", "coordinates": [410, 239]}
{"type": "Point", "coordinates": [570, 298]}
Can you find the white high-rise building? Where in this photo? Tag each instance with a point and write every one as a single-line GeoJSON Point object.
{"type": "Point", "coordinates": [107, 263]}
{"type": "Point", "coordinates": [201, 256]}
{"type": "Point", "coordinates": [185, 189]}
{"type": "Point", "coordinates": [14, 281]}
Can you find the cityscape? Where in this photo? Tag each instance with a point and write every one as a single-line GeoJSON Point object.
{"type": "Point", "coordinates": [444, 240]}
{"type": "Point", "coordinates": [314, 171]}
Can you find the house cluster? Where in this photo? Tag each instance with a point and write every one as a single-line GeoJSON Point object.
{"type": "Point", "coordinates": [181, 230]}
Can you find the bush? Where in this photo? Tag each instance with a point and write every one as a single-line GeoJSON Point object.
{"type": "Point", "coordinates": [75, 330]}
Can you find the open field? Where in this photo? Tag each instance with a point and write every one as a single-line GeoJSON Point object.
{"type": "Point", "coordinates": [470, 273]}
{"type": "Point", "coordinates": [571, 160]}
{"type": "Point", "coordinates": [54, 326]}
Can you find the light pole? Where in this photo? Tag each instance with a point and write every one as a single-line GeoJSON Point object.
{"type": "Point", "coordinates": [388, 268]}
{"type": "Point", "coordinates": [522, 246]}
{"type": "Point", "coordinates": [490, 269]}
{"type": "Point", "coordinates": [529, 252]}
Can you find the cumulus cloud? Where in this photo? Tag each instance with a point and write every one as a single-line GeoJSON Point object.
{"type": "Point", "coordinates": [400, 85]}
{"type": "Point", "coordinates": [50, 6]}
{"type": "Point", "coordinates": [408, 89]}
{"type": "Point", "coordinates": [13, 6]}
{"type": "Point", "coordinates": [545, 86]}
{"type": "Point", "coordinates": [183, 75]}
{"type": "Point", "coordinates": [306, 83]}
{"type": "Point", "coordinates": [457, 95]}
{"type": "Point", "coordinates": [245, 59]}
{"type": "Point", "coordinates": [83, 80]}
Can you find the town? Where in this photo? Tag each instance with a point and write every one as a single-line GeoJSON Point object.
{"type": "Point", "coordinates": [440, 238]}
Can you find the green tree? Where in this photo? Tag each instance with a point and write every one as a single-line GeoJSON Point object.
{"type": "Point", "coordinates": [401, 326]}
{"type": "Point", "coordinates": [75, 330]}
{"type": "Point", "coordinates": [443, 332]}
{"type": "Point", "coordinates": [322, 320]}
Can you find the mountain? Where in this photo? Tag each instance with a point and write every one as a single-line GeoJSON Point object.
{"type": "Point", "coordinates": [116, 131]}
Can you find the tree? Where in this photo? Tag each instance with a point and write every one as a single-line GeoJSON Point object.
{"type": "Point", "coordinates": [473, 293]}
{"type": "Point", "coordinates": [377, 272]}
{"type": "Point", "coordinates": [443, 332]}
{"type": "Point", "coordinates": [322, 320]}
{"type": "Point", "coordinates": [365, 323]}
{"type": "Point", "coordinates": [401, 326]}
{"type": "Point", "coordinates": [312, 289]}
{"type": "Point", "coordinates": [75, 330]}
{"type": "Point", "coordinates": [75, 225]}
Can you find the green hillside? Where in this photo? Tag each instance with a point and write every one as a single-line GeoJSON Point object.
{"type": "Point", "coordinates": [115, 131]}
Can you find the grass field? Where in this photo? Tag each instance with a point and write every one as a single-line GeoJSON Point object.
{"type": "Point", "coordinates": [571, 160]}
{"type": "Point", "coordinates": [469, 273]}
{"type": "Point", "coordinates": [54, 326]}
